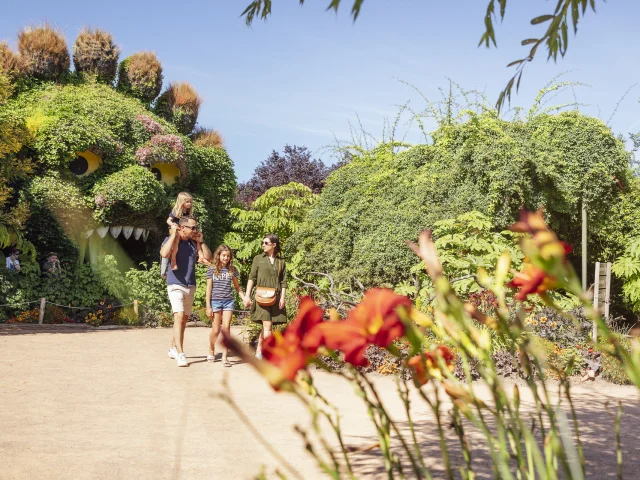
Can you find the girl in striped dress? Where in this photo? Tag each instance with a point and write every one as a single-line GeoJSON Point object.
{"type": "Point", "coordinates": [221, 276]}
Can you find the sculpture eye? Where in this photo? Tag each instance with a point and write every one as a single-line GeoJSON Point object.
{"type": "Point", "coordinates": [166, 173]}
{"type": "Point", "coordinates": [85, 163]}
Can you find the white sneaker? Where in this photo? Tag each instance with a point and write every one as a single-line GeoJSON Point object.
{"type": "Point", "coordinates": [173, 353]}
{"type": "Point", "coordinates": [182, 360]}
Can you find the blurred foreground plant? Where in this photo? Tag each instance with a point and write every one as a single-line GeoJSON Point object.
{"type": "Point", "coordinates": [521, 443]}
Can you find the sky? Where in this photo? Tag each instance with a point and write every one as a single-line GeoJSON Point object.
{"type": "Point", "coordinates": [308, 77]}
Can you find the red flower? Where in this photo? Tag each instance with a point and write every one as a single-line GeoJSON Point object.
{"type": "Point", "coordinates": [426, 366]}
{"type": "Point", "coordinates": [531, 280]}
{"type": "Point", "coordinates": [292, 349]}
{"type": "Point", "coordinates": [375, 321]}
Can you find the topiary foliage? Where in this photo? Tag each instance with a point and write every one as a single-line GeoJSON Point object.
{"type": "Point", "coordinates": [163, 149]}
{"type": "Point", "coordinates": [208, 137]}
{"type": "Point", "coordinates": [9, 61]}
{"type": "Point", "coordinates": [180, 104]}
{"type": "Point", "coordinates": [43, 52]}
{"type": "Point", "coordinates": [132, 196]}
{"type": "Point", "coordinates": [95, 53]}
{"type": "Point", "coordinates": [140, 75]}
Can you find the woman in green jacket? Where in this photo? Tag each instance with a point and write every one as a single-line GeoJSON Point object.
{"type": "Point", "coordinates": [268, 270]}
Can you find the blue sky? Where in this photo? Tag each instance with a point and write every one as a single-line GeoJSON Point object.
{"type": "Point", "coordinates": [303, 76]}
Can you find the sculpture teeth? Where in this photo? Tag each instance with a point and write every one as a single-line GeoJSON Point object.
{"type": "Point", "coordinates": [115, 231]}
{"type": "Point", "coordinates": [137, 233]}
{"type": "Point", "coordinates": [102, 231]}
{"type": "Point", "coordinates": [88, 233]}
{"type": "Point", "coordinates": [145, 235]}
{"type": "Point", "coordinates": [127, 231]}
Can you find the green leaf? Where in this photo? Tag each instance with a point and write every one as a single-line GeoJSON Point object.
{"type": "Point", "coordinates": [541, 19]}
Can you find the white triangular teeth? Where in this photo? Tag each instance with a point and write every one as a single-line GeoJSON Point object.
{"type": "Point", "coordinates": [137, 233]}
{"type": "Point", "coordinates": [88, 233]}
{"type": "Point", "coordinates": [102, 231]}
{"type": "Point", "coordinates": [115, 231]}
{"type": "Point", "coordinates": [127, 231]}
{"type": "Point", "coordinates": [145, 235]}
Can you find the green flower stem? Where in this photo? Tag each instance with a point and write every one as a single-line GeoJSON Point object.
{"type": "Point", "coordinates": [403, 391]}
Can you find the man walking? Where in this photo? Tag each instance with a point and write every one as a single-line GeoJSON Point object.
{"type": "Point", "coordinates": [181, 283]}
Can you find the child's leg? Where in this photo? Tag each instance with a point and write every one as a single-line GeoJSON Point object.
{"type": "Point", "coordinates": [201, 258]}
{"type": "Point", "coordinates": [174, 252]}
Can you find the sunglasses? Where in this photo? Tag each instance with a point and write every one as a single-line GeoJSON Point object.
{"type": "Point", "coordinates": [267, 243]}
{"type": "Point", "coordinates": [195, 229]}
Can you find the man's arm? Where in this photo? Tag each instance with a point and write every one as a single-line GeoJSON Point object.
{"type": "Point", "coordinates": [165, 250]}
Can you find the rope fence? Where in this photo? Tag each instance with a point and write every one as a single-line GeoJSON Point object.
{"type": "Point", "coordinates": [43, 303]}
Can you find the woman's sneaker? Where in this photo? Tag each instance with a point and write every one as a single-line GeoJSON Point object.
{"type": "Point", "coordinates": [173, 353]}
{"type": "Point", "coordinates": [182, 360]}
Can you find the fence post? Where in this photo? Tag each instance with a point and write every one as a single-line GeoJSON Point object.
{"type": "Point", "coordinates": [43, 302]}
{"type": "Point", "coordinates": [135, 308]}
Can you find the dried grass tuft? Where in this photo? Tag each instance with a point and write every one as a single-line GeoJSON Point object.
{"type": "Point", "coordinates": [208, 137]}
{"type": "Point", "coordinates": [180, 104]}
{"type": "Point", "coordinates": [43, 52]}
{"type": "Point", "coordinates": [9, 61]}
{"type": "Point", "coordinates": [95, 53]}
{"type": "Point", "coordinates": [141, 76]}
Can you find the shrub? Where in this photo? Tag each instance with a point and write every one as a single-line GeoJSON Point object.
{"type": "Point", "coordinates": [43, 52]}
{"type": "Point", "coordinates": [140, 75]}
{"type": "Point", "coordinates": [149, 288]}
{"type": "Point", "coordinates": [126, 316]}
{"type": "Point", "coordinates": [208, 137]}
{"type": "Point", "coordinates": [54, 314]}
{"type": "Point", "coordinates": [95, 53]}
{"type": "Point", "coordinates": [179, 104]}
{"type": "Point", "coordinates": [559, 327]}
{"type": "Point", "coordinates": [612, 369]}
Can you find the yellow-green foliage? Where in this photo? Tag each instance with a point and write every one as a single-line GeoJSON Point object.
{"type": "Point", "coordinates": [140, 75]}
{"type": "Point", "coordinates": [95, 53]}
{"type": "Point", "coordinates": [43, 52]}
{"type": "Point", "coordinates": [612, 369]}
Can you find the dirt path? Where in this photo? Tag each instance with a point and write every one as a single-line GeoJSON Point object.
{"type": "Point", "coordinates": [111, 405]}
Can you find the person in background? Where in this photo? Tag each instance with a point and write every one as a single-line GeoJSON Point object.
{"type": "Point", "coordinates": [52, 265]}
{"type": "Point", "coordinates": [12, 262]}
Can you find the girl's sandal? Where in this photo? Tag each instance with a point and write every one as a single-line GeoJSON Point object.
{"type": "Point", "coordinates": [211, 358]}
{"type": "Point", "coordinates": [226, 363]}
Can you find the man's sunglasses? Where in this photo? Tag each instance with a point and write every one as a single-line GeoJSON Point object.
{"type": "Point", "coordinates": [195, 228]}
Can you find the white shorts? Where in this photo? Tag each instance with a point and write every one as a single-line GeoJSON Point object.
{"type": "Point", "coordinates": [181, 298]}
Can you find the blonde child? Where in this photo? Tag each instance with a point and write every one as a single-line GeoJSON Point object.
{"type": "Point", "coordinates": [183, 207]}
{"type": "Point", "coordinates": [221, 275]}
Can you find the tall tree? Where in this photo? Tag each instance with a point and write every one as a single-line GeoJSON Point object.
{"type": "Point", "coordinates": [293, 165]}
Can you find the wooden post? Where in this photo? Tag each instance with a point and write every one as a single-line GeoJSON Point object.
{"type": "Point", "coordinates": [135, 308]}
{"type": "Point", "coordinates": [596, 294]}
{"type": "Point", "coordinates": [43, 302]}
{"type": "Point", "coordinates": [607, 291]}
{"type": "Point", "coordinates": [584, 247]}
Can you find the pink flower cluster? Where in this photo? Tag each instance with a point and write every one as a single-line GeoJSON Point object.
{"type": "Point", "coordinates": [160, 148]}
{"type": "Point", "coordinates": [150, 125]}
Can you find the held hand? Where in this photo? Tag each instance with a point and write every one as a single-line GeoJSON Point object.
{"type": "Point", "coordinates": [174, 229]}
{"type": "Point", "coordinates": [209, 312]}
{"type": "Point", "coordinates": [198, 237]}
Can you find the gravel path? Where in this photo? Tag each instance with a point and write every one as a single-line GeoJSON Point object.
{"type": "Point", "coordinates": [109, 404]}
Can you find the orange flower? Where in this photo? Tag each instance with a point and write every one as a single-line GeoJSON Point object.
{"type": "Point", "coordinates": [531, 280]}
{"type": "Point", "coordinates": [426, 366]}
{"type": "Point", "coordinates": [375, 321]}
{"type": "Point", "coordinates": [292, 349]}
